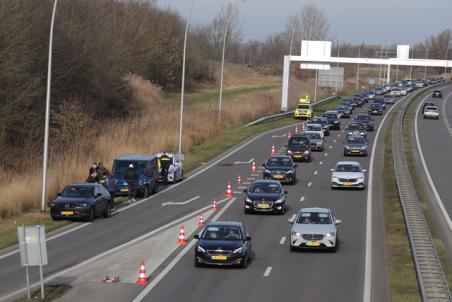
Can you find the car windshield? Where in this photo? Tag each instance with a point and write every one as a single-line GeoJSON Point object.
{"type": "Point", "coordinates": [365, 118]}
{"type": "Point", "coordinates": [342, 107]}
{"type": "Point", "coordinates": [314, 135]}
{"type": "Point", "coordinates": [319, 121]}
{"type": "Point", "coordinates": [356, 126]}
{"type": "Point", "coordinates": [348, 168]}
{"type": "Point", "coordinates": [314, 218]}
{"type": "Point", "coordinates": [356, 140]}
{"type": "Point", "coordinates": [223, 232]}
{"type": "Point", "coordinates": [375, 106]}
{"type": "Point", "coordinates": [279, 162]}
{"type": "Point", "coordinates": [78, 191]}
{"type": "Point", "coordinates": [269, 188]}
{"type": "Point", "coordinates": [298, 142]}
{"type": "Point", "coordinates": [331, 116]}
{"type": "Point", "coordinates": [121, 166]}
{"type": "Point", "coordinates": [302, 106]}
{"type": "Point", "coordinates": [312, 127]}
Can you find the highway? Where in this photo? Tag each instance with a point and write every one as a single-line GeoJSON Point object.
{"type": "Point", "coordinates": [275, 272]}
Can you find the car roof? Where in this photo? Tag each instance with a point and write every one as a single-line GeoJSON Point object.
{"type": "Point", "coordinates": [225, 223]}
{"type": "Point", "coordinates": [279, 156]}
{"type": "Point", "coordinates": [348, 162]}
{"type": "Point", "coordinates": [84, 184]}
{"type": "Point", "coordinates": [314, 209]}
{"type": "Point", "coordinates": [266, 181]}
{"type": "Point", "coordinates": [137, 157]}
{"type": "Point", "coordinates": [299, 135]}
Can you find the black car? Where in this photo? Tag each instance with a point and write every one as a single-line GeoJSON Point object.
{"type": "Point", "coordinates": [356, 128]}
{"type": "Point", "coordinates": [82, 201]}
{"type": "Point", "coordinates": [281, 168]}
{"type": "Point", "coordinates": [265, 196]}
{"type": "Point", "coordinates": [333, 120]}
{"type": "Point", "coordinates": [299, 147]}
{"type": "Point", "coordinates": [355, 145]}
{"type": "Point", "coordinates": [321, 121]}
{"type": "Point", "coordinates": [359, 101]}
{"type": "Point", "coordinates": [375, 109]}
{"type": "Point", "coordinates": [223, 243]}
{"type": "Point", "coordinates": [437, 94]}
{"type": "Point", "coordinates": [380, 100]}
{"type": "Point", "coordinates": [343, 111]}
{"type": "Point", "coordinates": [349, 103]}
{"type": "Point", "coordinates": [367, 120]}
{"type": "Point", "coordinates": [427, 104]}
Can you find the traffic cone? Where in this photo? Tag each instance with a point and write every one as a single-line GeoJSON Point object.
{"type": "Point", "coordinates": [182, 240]}
{"type": "Point", "coordinates": [142, 275]}
{"type": "Point", "coordinates": [214, 206]}
{"type": "Point", "coordinates": [201, 222]}
{"type": "Point", "coordinates": [239, 180]}
{"type": "Point", "coordinates": [253, 167]}
{"type": "Point", "coordinates": [228, 190]}
{"type": "Point", "coordinates": [273, 150]}
{"type": "Point", "coordinates": [289, 135]}
{"type": "Point", "coordinates": [296, 129]}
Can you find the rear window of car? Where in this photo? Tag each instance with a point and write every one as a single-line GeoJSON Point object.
{"type": "Point", "coordinates": [314, 127]}
{"type": "Point", "coordinates": [314, 218]}
{"type": "Point", "coordinates": [428, 108]}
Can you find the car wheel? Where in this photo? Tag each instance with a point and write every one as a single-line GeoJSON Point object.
{"type": "Point", "coordinates": [155, 189]}
{"type": "Point", "coordinates": [336, 247]}
{"type": "Point", "coordinates": [292, 248]}
{"type": "Point", "coordinates": [146, 191]}
{"type": "Point", "coordinates": [107, 212]}
{"type": "Point", "coordinates": [197, 264]}
{"type": "Point", "coordinates": [244, 263]}
{"type": "Point", "coordinates": [91, 215]}
{"type": "Point", "coordinates": [283, 210]}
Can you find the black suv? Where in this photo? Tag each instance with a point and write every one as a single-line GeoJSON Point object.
{"type": "Point", "coordinates": [333, 120]}
{"type": "Point", "coordinates": [299, 147]}
{"type": "Point", "coordinates": [281, 168]}
{"type": "Point", "coordinates": [265, 196]}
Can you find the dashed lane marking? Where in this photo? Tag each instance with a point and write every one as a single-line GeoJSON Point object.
{"type": "Point", "coordinates": [321, 163]}
{"type": "Point", "coordinates": [267, 271]}
{"type": "Point", "coordinates": [331, 147]}
{"type": "Point", "coordinates": [316, 172]}
{"type": "Point", "coordinates": [326, 154]}
{"type": "Point", "coordinates": [283, 239]}
{"type": "Point", "coordinates": [309, 184]}
{"type": "Point", "coordinates": [302, 198]}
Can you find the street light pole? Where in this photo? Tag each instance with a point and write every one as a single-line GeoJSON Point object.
{"type": "Point", "coordinates": [45, 156]}
{"type": "Point", "coordinates": [181, 118]}
{"type": "Point", "coordinates": [222, 60]}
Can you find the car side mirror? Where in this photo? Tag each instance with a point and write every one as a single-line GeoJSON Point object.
{"type": "Point", "coordinates": [248, 238]}
{"type": "Point", "coordinates": [285, 192]}
{"type": "Point", "coordinates": [364, 171]}
{"type": "Point", "coordinates": [196, 236]}
{"type": "Point", "coordinates": [337, 221]}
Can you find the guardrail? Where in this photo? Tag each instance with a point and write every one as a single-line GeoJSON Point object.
{"type": "Point", "coordinates": [431, 278]}
{"type": "Point", "coordinates": [285, 114]}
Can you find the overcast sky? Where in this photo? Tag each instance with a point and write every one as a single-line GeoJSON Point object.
{"type": "Point", "coordinates": [373, 22]}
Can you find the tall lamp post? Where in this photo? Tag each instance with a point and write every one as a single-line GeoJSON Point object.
{"type": "Point", "coordinates": [45, 156]}
{"type": "Point", "coordinates": [181, 118]}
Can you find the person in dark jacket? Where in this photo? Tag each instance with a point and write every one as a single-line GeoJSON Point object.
{"type": "Point", "coordinates": [92, 178]}
{"type": "Point", "coordinates": [131, 177]}
{"type": "Point", "coordinates": [102, 172]}
{"type": "Point", "coordinates": [165, 162]}
{"type": "Point", "coordinates": [93, 168]}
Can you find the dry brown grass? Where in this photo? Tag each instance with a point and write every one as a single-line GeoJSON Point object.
{"type": "Point", "coordinates": [152, 129]}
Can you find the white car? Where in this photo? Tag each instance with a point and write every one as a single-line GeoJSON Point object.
{"type": "Point", "coordinates": [315, 128]}
{"type": "Point", "coordinates": [431, 112]}
{"type": "Point", "coordinates": [175, 170]}
{"type": "Point", "coordinates": [314, 228]}
{"type": "Point", "coordinates": [348, 174]}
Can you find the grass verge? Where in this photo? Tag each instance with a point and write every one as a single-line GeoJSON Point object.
{"type": "Point", "coordinates": [441, 250]}
{"type": "Point", "coordinates": [52, 293]}
{"type": "Point", "coordinates": [402, 277]}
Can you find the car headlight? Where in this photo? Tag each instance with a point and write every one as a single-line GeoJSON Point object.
{"type": "Point", "coordinates": [346, 147]}
{"type": "Point", "coordinates": [82, 205]}
{"type": "Point", "coordinates": [238, 251]}
{"type": "Point", "coordinates": [290, 172]}
{"type": "Point", "coordinates": [200, 249]}
{"type": "Point", "coordinates": [293, 233]}
{"type": "Point", "coordinates": [363, 147]}
{"type": "Point", "coordinates": [125, 183]}
{"type": "Point", "coordinates": [306, 152]}
{"type": "Point", "coordinates": [289, 151]}
{"type": "Point", "coordinates": [247, 199]}
{"type": "Point", "coordinates": [335, 179]}
{"type": "Point", "coordinates": [332, 234]}
{"type": "Point", "coordinates": [267, 172]}
{"type": "Point", "coordinates": [361, 179]}
{"type": "Point", "coordinates": [279, 200]}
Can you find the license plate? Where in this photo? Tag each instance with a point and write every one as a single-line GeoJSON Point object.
{"type": "Point", "coordinates": [298, 156]}
{"type": "Point", "coordinates": [67, 213]}
{"type": "Point", "coordinates": [313, 243]}
{"type": "Point", "coordinates": [355, 151]}
{"type": "Point", "coordinates": [348, 183]}
{"type": "Point", "coordinates": [124, 190]}
{"type": "Point", "coordinates": [278, 176]}
{"type": "Point", "coordinates": [263, 205]}
{"type": "Point", "coordinates": [219, 258]}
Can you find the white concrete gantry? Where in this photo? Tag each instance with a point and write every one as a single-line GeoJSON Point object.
{"type": "Point", "coordinates": [320, 59]}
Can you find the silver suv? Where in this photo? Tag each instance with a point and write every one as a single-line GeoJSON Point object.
{"type": "Point", "coordinates": [314, 228]}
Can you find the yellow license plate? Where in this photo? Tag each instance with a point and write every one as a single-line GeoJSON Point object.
{"type": "Point", "coordinates": [355, 151]}
{"type": "Point", "coordinates": [279, 176]}
{"type": "Point", "coordinates": [348, 184]}
{"type": "Point", "coordinates": [67, 213]}
{"type": "Point", "coordinates": [313, 243]}
{"type": "Point", "coordinates": [219, 258]}
{"type": "Point", "coordinates": [124, 190]}
{"type": "Point", "coordinates": [263, 205]}
{"type": "Point", "coordinates": [298, 156]}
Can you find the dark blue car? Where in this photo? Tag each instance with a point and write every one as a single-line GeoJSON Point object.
{"type": "Point", "coordinates": [281, 168]}
{"type": "Point", "coordinates": [146, 168]}
{"type": "Point", "coordinates": [265, 196]}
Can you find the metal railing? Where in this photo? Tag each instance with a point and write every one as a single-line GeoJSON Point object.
{"type": "Point", "coordinates": [286, 114]}
{"type": "Point", "coordinates": [431, 278]}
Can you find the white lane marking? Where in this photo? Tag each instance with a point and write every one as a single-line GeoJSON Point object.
{"type": "Point", "coordinates": [282, 135]}
{"type": "Point", "coordinates": [334, 140]}
{"type": "Point", "coordinates": [321, 163]}
{"type": "Point", "coordinates": [338, 135]}
{"type": "Point", "coordinates": [424, 165]}
{"type": "Point", "coordinates": [170, 203]}
{"type": "Point", "coordinates": [309, 184]}
{"type": "Point", "coordinates": [368, 256]}
{"type": "Point", "coordinates": [331, 147]}
{"type": "Point", "coordinates": [246, 183]}
{"type": "Point", "coordinates": [250, 178]}
{"type": "Point", "coordinates": [445, 119]}
{"type": "Point", "coordinates": [316, 172]}
{"type": "Point", "coordinates": [342, 130]}
{"type": "Point", "coordinates": [283, 239]}
{"type": "Point", "coordinates": [179, 256]}
{"type": "Point", "coordinates": [255, 174]}
{"type": "Point", "coordinates": [122, 246]}
{"type": "Point", "coordinates": [267, 271]}
{"type": "Point", "coordinates": [244, 162]}
{"type": "Point", "coordinates": [242, 187]}
{"type": "Point", "coordinates": [302, 198]}
{"type": "Point", "coordinates": [326, 154]}
{"type": "Point", "coordinates": [237, 192]}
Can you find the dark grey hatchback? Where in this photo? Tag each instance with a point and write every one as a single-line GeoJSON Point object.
{"type": "Point", "coordinates": [82, 201]}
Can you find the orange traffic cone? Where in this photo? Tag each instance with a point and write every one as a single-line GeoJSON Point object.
{"type": "Point", "coordinates": [182, 240]}
{"type": "Point", "coordinates": [289, 135]}
{"type": "Point", "coordinates": [142, 275]}
{"type": "Point", "coordinates": [253, 167]}
{"type": "Point", "coordinates": [296, 129]}
{"type": "Point", "coordinates": [239, 180]}
{"type": "Point", "coordinates": [201, 222]}
{"type": "Point", "coordinates": [228, 190]}
{"type": "Point", "coordinates": [214, 206]}
{"type": "Point", "coordinates": [273, 150]}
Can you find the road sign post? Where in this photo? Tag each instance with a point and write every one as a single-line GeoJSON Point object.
{"type": "Point", "coordinates": [33, 251]}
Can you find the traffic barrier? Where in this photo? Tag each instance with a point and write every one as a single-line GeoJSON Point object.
{"type": "Point", "coordinates": [142, 275]}
{"type": "Point", "coordinates": [182, 240]}
{"type": "Point", "coordinates": [201, 222]}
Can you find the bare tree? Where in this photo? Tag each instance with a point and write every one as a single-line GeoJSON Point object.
{"type": "Point", "coordinates": [226, 14]}
{"type": "Point", "coordinates": [309, 23]}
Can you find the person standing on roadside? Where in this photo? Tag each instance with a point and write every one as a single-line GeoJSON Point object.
{"type": "Point", "coordinates": [165, 162]}
{"type": "Point", "coordinates": [131, 178]}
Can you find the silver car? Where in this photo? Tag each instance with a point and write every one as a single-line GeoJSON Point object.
{"type": "Point", "coordinates": [348, 174]}
{"type": "Point", "coordinates": [314, 228]}
{"type": "Point", "coordinates": [316, 141]}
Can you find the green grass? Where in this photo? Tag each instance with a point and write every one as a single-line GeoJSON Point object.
{"type": "Point", "coordinates": [328, 106]}
{"type": "Point", "coordinates": [51, 293]}
{"type": "Point", "coordinates": [402, 277]}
